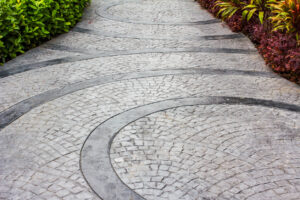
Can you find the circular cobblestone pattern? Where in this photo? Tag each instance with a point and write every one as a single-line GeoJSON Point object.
{"type": "Point", "coordinates": [211, 152]}
{"type": "Point", "coordinates": [155, 12]}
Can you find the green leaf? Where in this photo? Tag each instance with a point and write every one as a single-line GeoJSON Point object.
{"type": "Point", "coordinates": [250, 6]}
{"type": "Point", "coordinates": [261, 17]}
{"type": "Point", "coordinates": [244, 14]}
{"type": "Point", "coordinates": [250, 14]}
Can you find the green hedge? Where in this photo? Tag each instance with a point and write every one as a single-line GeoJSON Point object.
{"type": "Point", "coordinates": [25, 24]}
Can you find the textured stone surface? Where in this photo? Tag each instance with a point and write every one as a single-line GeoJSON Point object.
{"type": "Point", "coordinates": [153, 11]}
{"type": "Point", "coordinates": [196, 153]}
{"type": "Point", "coordinates": [126, 54]}
{"type": "Point", "coordinates": [127, 152]}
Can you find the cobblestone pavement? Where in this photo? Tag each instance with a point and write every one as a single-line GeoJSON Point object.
{"type": "Point", "coordinates": [193, 153]}
{"type": "Point", "coordinates": [151, 99]}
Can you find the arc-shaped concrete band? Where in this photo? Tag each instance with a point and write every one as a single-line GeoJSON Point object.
{"type": "Point", "coordinates": [196, 38]}
{"type": "Point", "coordinates": [102, 12]}
{"type": "Point", "coordinates": [95, 160]}
{"type": "Point", "coordinates": [19, 109]}
{"type": "Point", "coordinates": [91, 54]}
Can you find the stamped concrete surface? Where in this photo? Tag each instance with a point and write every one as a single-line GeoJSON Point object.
{"type": "Point", "coordinates": [147, 99]}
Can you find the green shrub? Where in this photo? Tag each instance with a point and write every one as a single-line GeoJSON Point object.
{"type": "Point", "coordinates": [286, 16]}
{"type": "Point", "coordinates": [228, 7]}
{"type": "Point", "coordinates": [256, 7]}
{"type": "Point", "coordinates": [25, 24]}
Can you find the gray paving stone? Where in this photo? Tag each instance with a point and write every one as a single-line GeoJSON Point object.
{"type": "Point", "coordinates": [246, 185]}
{"type": "Point", "coordinates": [126, 54]}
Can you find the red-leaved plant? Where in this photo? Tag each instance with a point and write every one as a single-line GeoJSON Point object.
{"type": "Point", "coordinates": [279, 48]}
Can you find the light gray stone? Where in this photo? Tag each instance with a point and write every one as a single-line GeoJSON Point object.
{"type": "Point", "coordinates": [141, 53]}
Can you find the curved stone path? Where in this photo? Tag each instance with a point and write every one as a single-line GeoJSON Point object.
{"type": "Point", "coordinates": [151, 99]}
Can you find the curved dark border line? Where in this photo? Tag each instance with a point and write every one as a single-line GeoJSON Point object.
{"type": "Point", "coordinates": [59, 47]}
{"type": "Point", "coordinates": [14, 112]}
{"type": "Point", "coordinates": [95, 159]}
{"type": "Point", "coordinates": [12, 70]}
{"type": "Point", "coordinates": [102, 12]}
{"type": "Point", "coordinates": [196, 38]}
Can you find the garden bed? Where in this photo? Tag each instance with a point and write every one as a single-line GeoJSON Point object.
{"type": "Point", "coordinates": [273, 26]}
{"type": "Point", "coordinates": [24, 24]}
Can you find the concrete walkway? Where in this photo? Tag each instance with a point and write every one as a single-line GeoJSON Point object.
{"type": "Point", "coordinates": [147, 99]}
